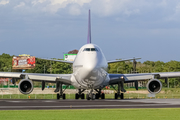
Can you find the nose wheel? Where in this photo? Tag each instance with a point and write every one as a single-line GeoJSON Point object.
{"type": "Point", "coordinates": [91, 95]}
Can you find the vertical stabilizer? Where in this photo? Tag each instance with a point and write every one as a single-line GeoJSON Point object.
{"type": "Point", "coordinates": [89, 28]}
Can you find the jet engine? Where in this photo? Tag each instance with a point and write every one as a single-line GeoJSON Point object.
{"type": "Point", "coordinates": [154, 86]}
{"type": "Point", "coordinates": [25, 86]}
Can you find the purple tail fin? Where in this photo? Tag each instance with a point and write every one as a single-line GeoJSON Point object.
{"type": "Point", "coordinates": [89, 29]}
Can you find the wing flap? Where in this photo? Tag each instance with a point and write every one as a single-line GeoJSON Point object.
{"type": "Point", "coordinates": [64, 78]}
{"type": "Point", "coordinates": [138, 77]}
{"type": "Point", "coordinates": [115, 78]}
{"type": "Point", "coordinates": [40, 77]}
{"type": "Point", "coordinates": [10, 75]}
{"type": "Point", "coordinates": [169, 74]}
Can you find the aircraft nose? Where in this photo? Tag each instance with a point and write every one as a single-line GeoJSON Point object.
{"type": "Point", "coordinates": [87, 71]}
{"type": "Point", "coordinates": [90, 68]}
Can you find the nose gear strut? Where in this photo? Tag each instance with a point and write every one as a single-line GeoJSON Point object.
{"type": "Point", "coordinates": [91, 95]}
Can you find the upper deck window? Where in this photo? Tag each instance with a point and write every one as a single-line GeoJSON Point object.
{"type": "Point", "coordinates": [90, 49]}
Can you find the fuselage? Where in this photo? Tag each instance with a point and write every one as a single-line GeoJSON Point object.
{"type": "Point", "coordinates": [90, 68]}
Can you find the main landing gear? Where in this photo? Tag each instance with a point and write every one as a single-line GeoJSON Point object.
{"type": "Point", "coordinates": [99, 94]}
{"type": "Point", "coordinates": [80, 94]}
{"type": "Point", "coordinates": [120, 89]}
{"type": "Point", "coordinates": [59, 88]}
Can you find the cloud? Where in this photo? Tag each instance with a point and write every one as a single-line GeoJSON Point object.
{"type": "Point", "coordinates": [100, 7]}
{"type": "Point", "coordinates": [37, 1]}
{"type": "Point", "coordinates": [74, 10]}
{"type": "Point", "coordinates": [20, 5]}
{"type": "Point", "coordinates": [56, 5]}
{"type": "Point", "coordinates": [113, 7]}
{"type": "Point", "coordinates": [175, 13]}
{"type": "Point", "coordinates": [4, 2]}
{"type": "Point", "coordinates": [162, 9]}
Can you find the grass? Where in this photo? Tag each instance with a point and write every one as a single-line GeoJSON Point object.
{"type": "Point", "coordinates": [72, 96]}
{"type": "Point", "coordinates": [92, 114]}
{"type": "Point", "coordinates": [166, 93]}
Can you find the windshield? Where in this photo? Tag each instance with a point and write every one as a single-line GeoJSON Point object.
{"type": "Point", "coordinates": [90, 49]}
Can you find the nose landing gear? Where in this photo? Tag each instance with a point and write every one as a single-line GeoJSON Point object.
{"type": "Point", "coordinates": [91, 95]}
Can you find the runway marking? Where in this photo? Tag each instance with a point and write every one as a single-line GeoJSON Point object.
{"type": "Point", "coordinates": [49, 101]}
{"type": "Point", "coordinates": [16, 101]}
{"type": "Point", "coordinates": [83, 106]}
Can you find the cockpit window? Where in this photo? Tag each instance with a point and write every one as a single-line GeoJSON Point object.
{"type": "Point", "coordinates": [86, 49]}
{"type": "Point", "coordinates": [90, 49]}
{"type": "Point", "coordinates": [94, 49]}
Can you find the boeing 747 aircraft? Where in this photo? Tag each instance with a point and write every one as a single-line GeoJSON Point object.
{"type": "Point", "coordinates": [89, 73]}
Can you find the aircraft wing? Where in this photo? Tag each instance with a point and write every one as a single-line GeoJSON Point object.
{"type": "Point", "coordinates": [115, 78]}
{"type": "Point", "coordinates": [64, 78]}
{"type": "Point", "coordinates": [63, 61]}
{"type": "Point", "coordinates": [114, 61]}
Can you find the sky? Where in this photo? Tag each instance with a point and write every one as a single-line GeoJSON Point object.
{"type": "Point", "coordinates": [149, 29]}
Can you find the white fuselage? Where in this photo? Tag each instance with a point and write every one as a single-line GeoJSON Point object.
{"type": "Point", "coordinates": [90, 68]}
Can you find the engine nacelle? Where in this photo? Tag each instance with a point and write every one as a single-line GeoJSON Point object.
{"type": "Point", "coordinates": [154, 86]}
{"type": "Point", "coordinates": [25, 86]}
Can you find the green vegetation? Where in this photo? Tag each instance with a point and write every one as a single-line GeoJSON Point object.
{"type": "Point", "coordinates": [93, 114]}
{"type": "Point", "coordinates": [50, 66]}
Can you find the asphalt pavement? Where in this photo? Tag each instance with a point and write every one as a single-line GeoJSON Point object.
{"type": "Point", "coordinates": [33, 104]}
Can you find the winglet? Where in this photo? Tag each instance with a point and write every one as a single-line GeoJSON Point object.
{"type": "Point", "coordinates": [89, 28]}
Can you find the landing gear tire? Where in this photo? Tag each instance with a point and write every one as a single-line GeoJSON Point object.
{"type": "Point", "coordinates": [116, 96]}
{"type": "Point", "coordinates": [76, 96]}
{"type": "Point", "coordinates": [59, 89]}
{"type": "Point", "coordinates": [64, 96]}
{"type": "Point", "coordinates": [97, 96]}
{"type": "Point", "coordinates": [87, 97]}
{"type": "Point", "coordinates": [103, 96]}
{"type": "Point", "coordinates": [58, 96]}
{"type": "Point", "coordinates": [93, 97]}
{"type": "Point", "coordinates": [82, 96]}
{"type": "Point", "coordinates": [122, 95]}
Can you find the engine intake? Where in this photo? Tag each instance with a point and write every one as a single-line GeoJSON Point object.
{"type": "Point", "coordinates": [154, 86]}
{"type": "Point", "coordinates": [25, 86]}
